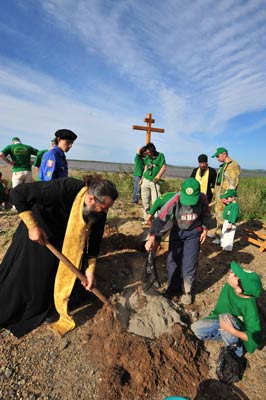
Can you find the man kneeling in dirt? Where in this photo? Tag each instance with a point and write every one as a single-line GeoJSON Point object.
{"type": "Point", "coordinates": [235, 319]}
{"type": "Point", "coordinates": [71, 214]}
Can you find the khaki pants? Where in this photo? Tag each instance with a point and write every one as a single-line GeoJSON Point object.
{"type": "Point", "coordinates": [21, 177]}
{"type": "Point", "coordinates": [150, 191]}
{"type": "Point", "coordinates": [218, 210]}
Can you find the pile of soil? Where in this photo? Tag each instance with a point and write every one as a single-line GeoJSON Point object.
{"type": "Point", "coordinates": [146, 351]}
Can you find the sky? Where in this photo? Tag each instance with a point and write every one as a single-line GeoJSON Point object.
{"type": "Point", "coordinates": [98, 67]}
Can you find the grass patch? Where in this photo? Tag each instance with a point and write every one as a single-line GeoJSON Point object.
{"type": "Point", "coordinates": [251, 191]}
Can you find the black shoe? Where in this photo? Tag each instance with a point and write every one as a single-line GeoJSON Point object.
{"type": "Point", "coordinates": [52, 316]}
{"type": "Point", "coordinates": [170, 294]}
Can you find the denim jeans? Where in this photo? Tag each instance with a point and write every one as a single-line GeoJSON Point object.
{"type": "Point", "coordinates": [136, 189]}
{"type": "Point", "coordinates": [182, 259]}
{"type": "Point", "coordinates": [209, 329]}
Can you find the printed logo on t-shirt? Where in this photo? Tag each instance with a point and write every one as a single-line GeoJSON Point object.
{"type": "Point", "coordinates": [188, 217]}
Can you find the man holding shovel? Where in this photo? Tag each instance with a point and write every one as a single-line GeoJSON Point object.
{"type": "Point", "coordinates": [70, 214]}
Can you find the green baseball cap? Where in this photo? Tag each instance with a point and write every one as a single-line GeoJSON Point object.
{"type": "Point", "coordinates": [190, 192]}
{"type": "Point", "coordinates": [219, 150]}
{"type": "Point", "coordinates": [250, 281]}
{"type": "Point", "coordinates": [229, 193]}
{"type": "Point", "coordinates": [16, 139]}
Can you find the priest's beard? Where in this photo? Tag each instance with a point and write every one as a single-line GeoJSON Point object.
{"type": "Point", "coordinates": [90, 215]}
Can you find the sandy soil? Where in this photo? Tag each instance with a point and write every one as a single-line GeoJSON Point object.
{"type": "Point", "coordinates": [147, 351]}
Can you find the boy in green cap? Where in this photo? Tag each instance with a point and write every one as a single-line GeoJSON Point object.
{"type": "Point", "coordinates": [235, 319]}
{"type": "Point", "coordinates": [230, 215]}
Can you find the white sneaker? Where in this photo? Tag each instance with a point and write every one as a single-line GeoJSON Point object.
{"type": "Point", "coordinates": [216, 241]}
{"type": "Point", "coordinates": [186, 299]}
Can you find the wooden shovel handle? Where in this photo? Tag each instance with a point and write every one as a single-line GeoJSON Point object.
{"type": "Point", "coordinates": [75, 271]}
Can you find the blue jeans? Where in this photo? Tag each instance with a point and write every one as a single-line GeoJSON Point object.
{"type": "Point", "coordinates": [182, 259]}
{"type": "Point", "coordinates": [136, 188]}
{"type": "Point", "coordinates": [209, 329]}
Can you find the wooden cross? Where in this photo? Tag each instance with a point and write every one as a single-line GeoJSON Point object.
{"type": "Point", "coordinates": [148, 128]}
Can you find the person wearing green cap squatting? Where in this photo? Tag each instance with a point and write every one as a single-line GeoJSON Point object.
{"type": "Point", "coordinates": [230, 215]}
{"type": "Point", "coordinates": [235, 319]}
{"type": "Point", "coordinates": [188, 215]}
{"type": "Point", "coordinates": [227, 178]}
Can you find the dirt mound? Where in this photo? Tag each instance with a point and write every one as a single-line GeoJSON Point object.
{"type": "Point", "coordinates": [136, 368]}
{"type": "Point", "coordinates": [156, 356]}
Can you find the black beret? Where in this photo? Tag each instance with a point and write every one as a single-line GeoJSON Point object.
{"type": "Point", "coordinates": [65, 134]}
{"type": "Point", "coordinates": [202, 158]}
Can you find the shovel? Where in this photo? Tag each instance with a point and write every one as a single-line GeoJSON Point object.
{"type": "Point", "coordinates": [80, 276]}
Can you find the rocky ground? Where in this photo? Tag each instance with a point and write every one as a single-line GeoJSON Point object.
{"type": "Point", "coordinates": [147, 350]}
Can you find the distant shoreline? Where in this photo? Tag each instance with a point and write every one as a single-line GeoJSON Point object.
{"type": "Point", "coordinates": [171, 171]}
{"type": "Point", "coordinates": [105, 166]}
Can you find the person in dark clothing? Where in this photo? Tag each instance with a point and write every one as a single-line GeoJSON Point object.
{"type": "Point", "coordinates": [71, 214]}
{"type": "Point", "coordinates": [205, 175]}
{"type": "Point", "coordinates": [4, 192]}
{"type": "Point", "coordinates": [189, 214]}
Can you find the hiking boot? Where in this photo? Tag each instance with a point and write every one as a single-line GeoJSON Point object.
{"type": "Point", "coordinates": [216, 241]}
{"type": "Point", "coordinates": [186, 299]}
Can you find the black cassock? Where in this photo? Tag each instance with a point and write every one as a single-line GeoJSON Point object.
{"type": "Point", "coordinates": [28, 269]}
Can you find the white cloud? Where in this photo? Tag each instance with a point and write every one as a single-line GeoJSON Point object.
{"type": "Point", "coordinates": [194, 65]}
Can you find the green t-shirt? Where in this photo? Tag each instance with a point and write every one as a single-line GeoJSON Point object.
{"type": "Point", "coordinates": [38, 159]}
{"type": "Point", "coordinates": [21, 155]}
{"type": "Point", "coordinates": [139, 166]}
{"type": "Point", "coordinates": [245, 309]}
{"type": "Point", "coordinates": [231, 212]}
{"type": "Point", "coordinates": [153, 166]}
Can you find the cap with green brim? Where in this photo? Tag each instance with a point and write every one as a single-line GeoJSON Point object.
{"type": "Point", "coordinates": [190, 192]}
{"type": "Point", "coordinates": [250, 281]}
{"type": "Point", "coordinates": [219, 150]}
{"type": "Point", "coordinates": [16, 139]}
{"type": "Point", "coordinates": [229, 193]}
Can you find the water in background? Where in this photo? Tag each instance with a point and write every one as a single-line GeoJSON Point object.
{"type": "Point", "coordinates": [171, 171]}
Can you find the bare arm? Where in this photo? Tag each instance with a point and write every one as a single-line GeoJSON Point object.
{"type": "Point", "coordinates": [4, 158]}
{"type": "Point", "coordinates": [227, 326]}
{"type": "Point", "coordinates": [160, 173]}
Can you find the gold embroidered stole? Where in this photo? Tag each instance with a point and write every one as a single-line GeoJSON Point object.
{"type": "Point", "coordinates": [73, 247]}
{"type": "Point", "coordinates": [203, 180]}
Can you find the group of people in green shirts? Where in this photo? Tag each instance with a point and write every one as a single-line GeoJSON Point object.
{"type": "Point", "coordinates": [186, 214]}
{"type": "Point", "coordinates": [51, 163]}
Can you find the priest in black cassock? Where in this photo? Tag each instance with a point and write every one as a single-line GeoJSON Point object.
{"type": "Point", "coordinates": [70, 214]}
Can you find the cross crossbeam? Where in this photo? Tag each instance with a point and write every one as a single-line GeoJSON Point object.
{"type": "Point", "coordinates": [149, 120]}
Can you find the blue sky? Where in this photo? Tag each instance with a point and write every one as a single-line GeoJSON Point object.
{"type": "Point", "coordinates": [100, 66]}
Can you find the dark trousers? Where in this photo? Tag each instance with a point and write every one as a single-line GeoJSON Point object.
{"type": "Point", "coordinates": [182, 259]}
{"type": "Point", "coordinates": [136, 188]}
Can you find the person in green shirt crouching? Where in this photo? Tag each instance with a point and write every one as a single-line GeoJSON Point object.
{"type": "Point", "coordinates": [234, 320]}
